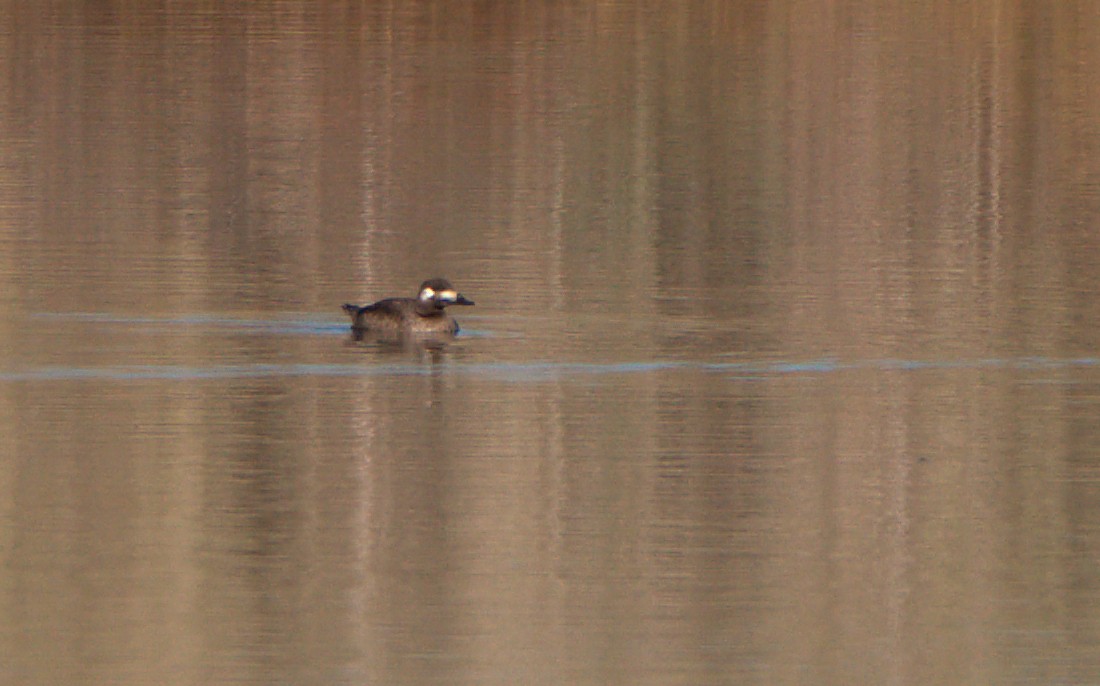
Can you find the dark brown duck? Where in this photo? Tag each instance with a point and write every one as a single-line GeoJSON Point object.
{"type": "Point", "coordinates": [425, 314]}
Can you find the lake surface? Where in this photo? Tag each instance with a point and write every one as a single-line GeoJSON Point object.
{"type": "Point", "coordinates": [784, 369]}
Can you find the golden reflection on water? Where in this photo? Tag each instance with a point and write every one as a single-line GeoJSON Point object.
{"type": "Point", "coordinates": [783, 367]}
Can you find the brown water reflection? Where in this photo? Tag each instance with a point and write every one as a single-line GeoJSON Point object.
{"type": "Point", "coordinates": [784, 367]}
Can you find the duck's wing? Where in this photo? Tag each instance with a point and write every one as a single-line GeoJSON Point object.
{"type": "Point", "coordinates": [391, 311]}
{"type": "Point", "coordinates": [390, 306]}
{"type": "Point", "coordinates": [387, 306]}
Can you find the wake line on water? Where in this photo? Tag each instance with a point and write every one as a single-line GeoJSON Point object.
{"type": "Point", "coordinates": [505, 371]}
{"type": "Point", "coordinates": [270, 326]}
{"type": "Point", "coordinates": [530, 371]}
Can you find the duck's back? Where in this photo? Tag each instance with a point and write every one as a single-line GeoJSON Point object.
{"type": "Point", "coordinates": [399, 315]}
{"type": "Point", "coordinates": [395, 313]}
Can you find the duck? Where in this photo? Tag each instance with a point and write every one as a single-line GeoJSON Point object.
{"type": "Point", "coordinates": [426, 314]}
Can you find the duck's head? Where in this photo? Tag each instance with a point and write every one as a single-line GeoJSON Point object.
{"type": "Point", "coordinates": [440, 293]}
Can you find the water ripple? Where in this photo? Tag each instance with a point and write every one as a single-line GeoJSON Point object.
{"type": "Point", "coordinates": [525, 371]}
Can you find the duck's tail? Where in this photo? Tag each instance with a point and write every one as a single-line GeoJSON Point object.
{"type": "Point", "coordinates": [351, 310]}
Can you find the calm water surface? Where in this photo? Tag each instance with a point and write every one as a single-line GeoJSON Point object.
{"type": "Point", "coordinates": [785, 367]}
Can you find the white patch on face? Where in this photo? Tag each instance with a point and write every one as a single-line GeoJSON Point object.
{"type": "Point", "coordinates": [448, 295]}
{"type": "Point", "coordinates": [427, 294]}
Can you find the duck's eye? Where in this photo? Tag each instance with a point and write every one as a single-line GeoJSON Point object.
{"type": "Point", "coordinates": [427, 294]}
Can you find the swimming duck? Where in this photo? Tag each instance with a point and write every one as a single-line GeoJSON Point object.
{"type": "Point", "coordinates": [425, 314]}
